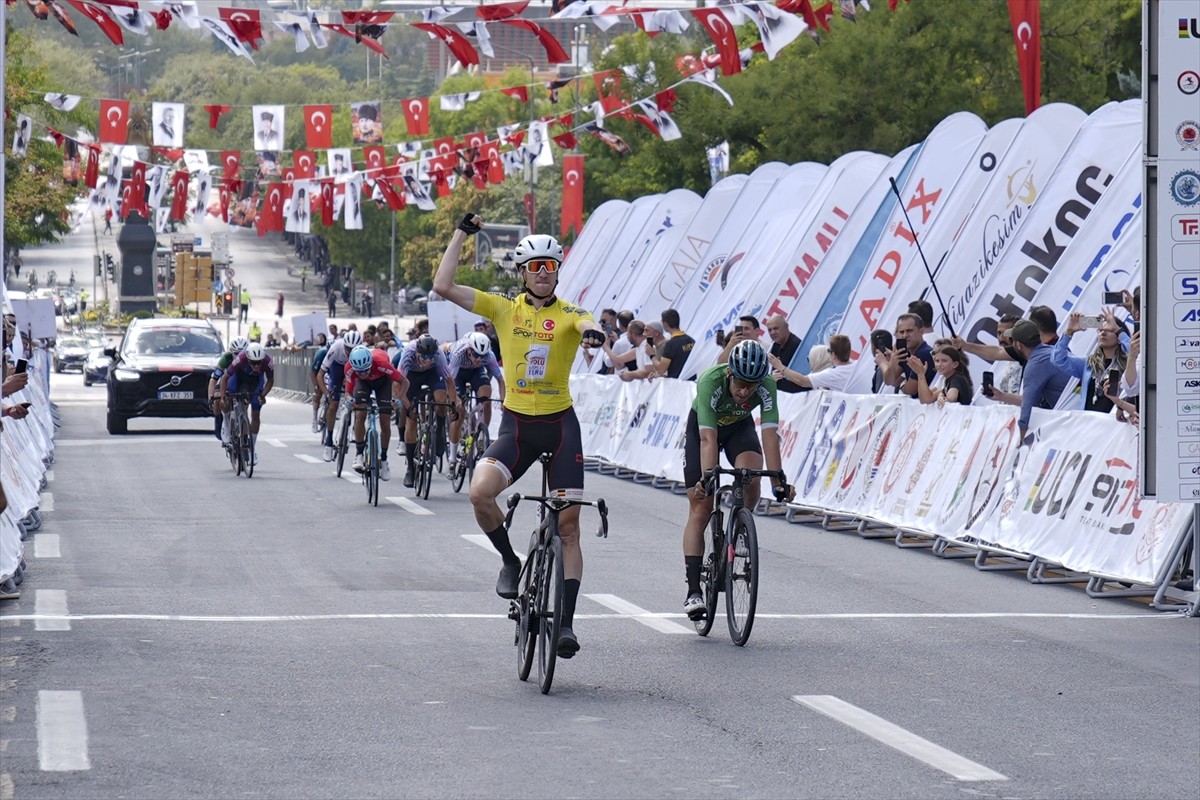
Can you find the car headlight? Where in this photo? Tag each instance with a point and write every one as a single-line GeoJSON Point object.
{"type": "Point", "coordinates": [126, 374]}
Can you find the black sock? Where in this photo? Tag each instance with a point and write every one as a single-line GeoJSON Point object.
{"type": "Point", "coordinates": [499, 540]}
{"type": "Point", "coordinates": [217, 425]}
{"type": "Point", "coordinates": [410, 449]}
{"type": "Point", "coordinates": [383, 455]}
{"type": "Point", "coordinates": [572, 594]}
{"type": "Point", "coordinates": [359, 447]}
{"type": "Point", "coordinates": [691, 567]}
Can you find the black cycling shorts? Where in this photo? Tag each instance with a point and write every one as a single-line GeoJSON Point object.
{"type": "Point", "coordinates": [382, 387]}
{"type": "Point", "coordinates": [476, 378]}
{"type": "Point", "coordinates": [430, 377]}
{"type": "Point", "coordinates": [733, 440]}
{"type": "Point", "coordinates": [523, 438]}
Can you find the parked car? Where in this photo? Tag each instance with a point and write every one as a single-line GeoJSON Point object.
{"type": "Point", "coordinates": [161, 369]}
{"type": "Point", "coordinates": [95, 369]}
{"type": "Point", "coordinates": [69, 353]}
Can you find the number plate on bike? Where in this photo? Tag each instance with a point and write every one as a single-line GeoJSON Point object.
{"type": "Point", "coordinates": [175, 395]}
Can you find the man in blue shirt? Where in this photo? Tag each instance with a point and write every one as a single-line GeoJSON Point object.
{"type": "Point", "coordinates": [1042, 383]}
{"type": "Point", "coordinates": [909, 342]}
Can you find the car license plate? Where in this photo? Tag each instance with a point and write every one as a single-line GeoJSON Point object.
{"type": "Point", "coordinates": [174, 395]}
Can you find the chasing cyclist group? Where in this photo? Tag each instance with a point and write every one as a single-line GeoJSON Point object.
{"type": "Point", "coordinates": [543, 334]}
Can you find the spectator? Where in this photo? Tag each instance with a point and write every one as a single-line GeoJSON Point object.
{"type": "Point", "coordinates": [955, 383]}
{"type": "Point", "coordinates": [1042, 383]}
{"type": "Point", "coordinates": [819, 358]}
{"type": "Point", "coordinates": [924, 310]}
{"type": "Point", "coordinates": [1125, 398]}
{"type": "Point", "coordinates": [277, 331]}
{"type": "Point", "coordinates": [255, 332]}
{"type": "Point", "coordinates": [402, 298]}
{"type": "Point", "coordinates": [15, 382]}
{"type": "Point", "coordinates": [676, 349]}
{"type": "Point", "coordinates": [244, 304]}
{"type": "Point", "coordinates": [646, 351]}
{"type": "Point", "coordinates": [898, 372]}
{"type": "Point", "coordinates": [834, 377]}
{"type": "Point", "coordinates": [621, 351]}
{"type": "Point", "coordinates": [1092, 372]}
{"type": "Point", "coordinates": [331, 300]}
{"type": "Point", "coordinates": [608, 323]}
{"type": "Point", "coordinates": [784, 345]}
{"type": "Point", "coordinates": [333, 331]}
{"type": "Point", "coordinates": [1006, 387]}
{"type": "Point", "coordinates": [746, 328]}
{"type": "Point", "coordinates": [881, 346]}
{"type": "Point", "coordinates": [279, 305]}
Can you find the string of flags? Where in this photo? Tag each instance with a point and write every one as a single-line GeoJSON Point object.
{"type": "Point", "coordinates": [291, 195]}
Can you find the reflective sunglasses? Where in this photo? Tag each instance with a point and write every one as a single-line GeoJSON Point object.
{"type": "Point", "coordinates": [540, 264]}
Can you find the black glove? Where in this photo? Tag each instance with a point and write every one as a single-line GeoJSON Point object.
{"type": "Point", "coordinates": [781, 492]}
{"type": "Point", "coordinates": [467, 226]}
{"type": "Point", "coordinates": [593, 337]}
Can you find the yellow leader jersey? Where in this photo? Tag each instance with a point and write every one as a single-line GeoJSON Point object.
{"type": "Point", "coordinates": [539, 347]}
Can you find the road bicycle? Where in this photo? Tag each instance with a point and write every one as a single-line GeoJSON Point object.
{"type": "Point", "coordinates": [322, 410]}
{"type": "Point", "coordinates": [341, 441]}
{"type": "Point", "coordinates": [731, 553]}
{"type": "Point", "coordinates": [426, 452]}
{"type": "Point", "coordinates": [473, 442]}
{"type": "Point", "coordinates": [241, 440]}
{"type": "Point", "coordinates": [537, 609]}
{"type": "Point", "coordinates": [371, 454]}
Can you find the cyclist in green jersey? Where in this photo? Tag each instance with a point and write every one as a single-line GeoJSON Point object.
{"type": "Point", "coordinates": [720, 420]}
{"type": "Point", "coordinates": [221, 417]}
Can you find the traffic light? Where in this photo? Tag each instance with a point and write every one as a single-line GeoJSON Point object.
{"type": "Point", "coordinates": [228, 302]}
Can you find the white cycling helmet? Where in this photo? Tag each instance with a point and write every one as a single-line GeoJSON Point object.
{"type": "Point", "coordinates": [352, 339]}
{"type": "Point", "coordinates": [479, 343]}
{"type": "Point", "coordinates": [237, 344]}
{"type": "Point", "coordinates": [536, 246]}
{"type": "Point", "coordinates": [255, 351]}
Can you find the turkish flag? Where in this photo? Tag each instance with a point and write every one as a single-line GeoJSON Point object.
{"type": "Point", "coordinates": [723, 36]}
{"type": "Point", "coordinates": [305, 162]}
{"type": "Point", "coordinates": [318, 127]}
{"type": "Point", "coordinates": [230, 165]}
{"type": "Point", "coordinates": [475, 140]}
{"type": "Point", "coordinates": [102, 18]}
{"type": "Point", "coordinates": [245, 23]}
{"type": "Point", "coordinates": [457, 43]}
{"type": "Point", "coordinates": [91, 173]}
{"type": "Point", "coordinates": [114, 121]}
{"type": "Point", "coordinates": [519, 92]}
{"type": "Point", "coordinates": [444, 146]}
{"type": "Point", "coordinates": [609, 89]}
{"type": "Point", "coordinates": [137, 189]}
{"type": "Point", "coordinates": [327, 218]}
{"type": "Point", "coordinates": [271, 218]}
{"type": "Point", "coordinates": [554, 51]}
{"type": "Point", "coordinates": [376, 159]}
{"type": "Point", "coordinates": [394, 200]}
{"type": "Point", "coordinates": [223, 200]}
{"type": "Point", "coordinates": [495, 163]}
{"type": "Point", "coordinates": [416, 115]}
{"type": "Point", "coordinates": [289, 180]}
{"type": "Point", "coordinates": [1027, 35]}
{"type": "Point", "coordinates": [500, 10]}
{"type": "Point", "coordinates": [214, 114]}
{"type": "Point", "coordinates": [179, 194]}
{"type": "Point", "coordinates": [572, 198]}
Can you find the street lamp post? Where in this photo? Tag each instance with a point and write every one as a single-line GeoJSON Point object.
{"type": "Point", "coordinates": [530, 166]}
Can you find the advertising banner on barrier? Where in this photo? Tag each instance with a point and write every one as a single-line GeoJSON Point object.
{"type": "Point", "coordinates": [1083, 176]}
{"type": "Point", "coordinates": [590, 245]}
{"type": "Point", "coordinates": [24, 444]}
{"type": "Point", "coordinates": [727, 294]}
{"type": "Point", "coordinates": [678, 264]}
{"type": "Point", "coordinates": [1074, 500]}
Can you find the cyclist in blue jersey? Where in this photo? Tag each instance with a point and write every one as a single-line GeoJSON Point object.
{"type": "Point", "coordinates": [473, 365]}
{"type": "Point", "coordinates": [423, 363]}
{"type": "Point", "coordinates": [314, 371]}
{"type": "Point", "coordinates": [331, 378]}
{"type": "Point", "coordinates": [251, 371]}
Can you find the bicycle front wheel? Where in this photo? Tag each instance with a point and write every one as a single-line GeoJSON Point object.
{"type": "Point", "coordinates": [549, 607]}
{"type": "Point", "coordinates": [527, 621]}
{"type": "Point", "coordinates": [247, 445]}
{"type": "Point", "coordinates": [343, 441]}
{"type": "Point", "coordinates": [458, 473]}
{"type": "Point", "coordinates": [372, 473]}
{"type": "Point", "coordinates": [710, 573]}
{"type": "Point", "coordinates": [741, 575]}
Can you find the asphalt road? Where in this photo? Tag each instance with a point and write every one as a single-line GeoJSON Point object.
{"type": "Point", "coordinates": [278, 638]}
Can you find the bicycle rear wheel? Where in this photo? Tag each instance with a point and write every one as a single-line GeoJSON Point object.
{"type": "Point", "coordinates": [527, 622]}
{"type": "Point", "coordinates": [549, 607]}
{"type": "Point", "coordinates": [458, 474]}
{"type": "Point", "coordinates": [710, 574]}
{"type": "Point", "coordinates": [741, 577]}
{"type": "Point", "coordinates": [424, 462]}
{"type": "Point", "coordinates": [343, 441]}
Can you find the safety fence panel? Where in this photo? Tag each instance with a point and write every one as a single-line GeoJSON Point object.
{"type": "Point", "coordinates": [26, 446]}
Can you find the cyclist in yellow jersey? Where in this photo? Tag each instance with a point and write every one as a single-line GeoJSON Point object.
{"type": "Point", "coordinates": [539, 336]}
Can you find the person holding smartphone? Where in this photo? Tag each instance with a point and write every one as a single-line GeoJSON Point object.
{"type": "Point", "coordinates": [909, 342]}
{"type": "Point", "coordinates": [1092, 372]}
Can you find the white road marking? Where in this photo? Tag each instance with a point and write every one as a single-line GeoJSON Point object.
{"type": "Point", "coordinates": [46, 545]}
{"type": "Point", "coordinates": [50, 610]}
{"type": "Point", "coordinates": [410, 506]}
{"type": "Point", "coordinates": [46, 501]}
{"type": "Point", "coordinates": [275, 443]}
{"type": "Point", "coordinates": [639, 614]}
{"type": "Point", "coordinates": [353, 477]}
{"type": "Point", "coordinates": [482, 540]}
{"type": "Point", "coordinates": [305, 457]}
{"type": "Point", "coordinates": [62, 732]}
{"type": "Point", "coordinates": [898, 738]}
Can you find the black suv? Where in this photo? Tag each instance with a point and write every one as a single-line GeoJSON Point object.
{"type": "Point", "coordinates": [161, 369]}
